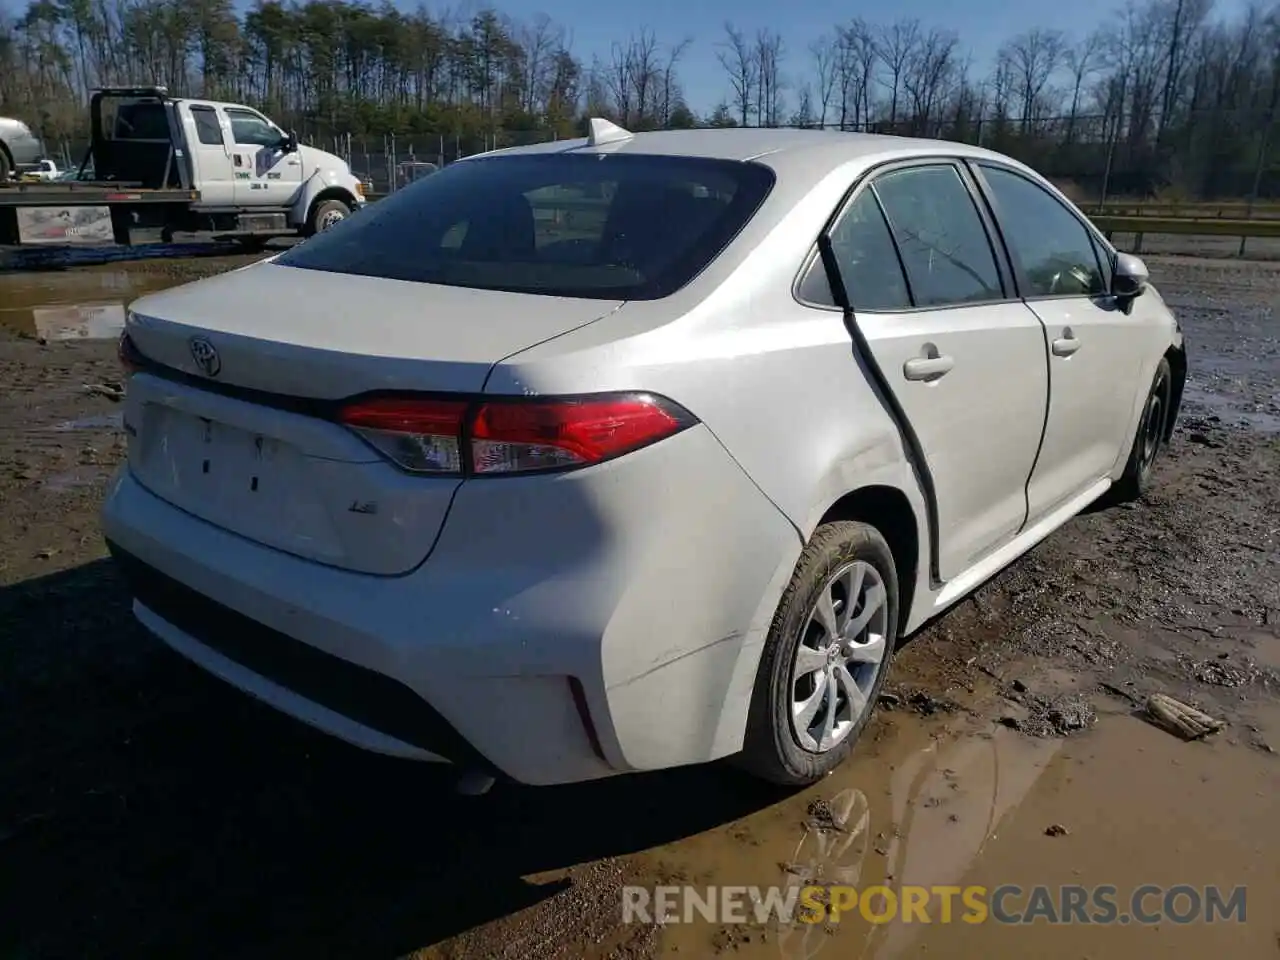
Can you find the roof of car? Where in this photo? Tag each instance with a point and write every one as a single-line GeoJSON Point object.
{"type": "Point", "coordinates": [815, 151]}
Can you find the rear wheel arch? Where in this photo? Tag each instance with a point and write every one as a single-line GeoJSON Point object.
{"type": "Point", "coordinates": [889, 511]}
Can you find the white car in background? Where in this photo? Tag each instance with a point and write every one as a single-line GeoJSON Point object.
{"type": "Point", "coordinates": [634, 451]}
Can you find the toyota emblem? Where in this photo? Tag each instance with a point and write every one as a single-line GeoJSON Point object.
{"type": "Point", "coordinates": [205, 356]}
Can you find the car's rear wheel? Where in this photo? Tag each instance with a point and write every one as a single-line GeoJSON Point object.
{"type": "Point", "coordinates": [6, 168]}
{"type": "Point", "coordinates": [1148, 442]}
{"type": "Point", "coordinates": [825, 658]}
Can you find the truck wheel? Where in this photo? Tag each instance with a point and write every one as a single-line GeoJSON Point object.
{"type": "Point", "coordinates": [325, 214]}
{"type": "Point", "coordinates": [6, 168]}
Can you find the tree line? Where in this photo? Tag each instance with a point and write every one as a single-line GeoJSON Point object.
{"type": "Point", "coordinates": [1165, 92]}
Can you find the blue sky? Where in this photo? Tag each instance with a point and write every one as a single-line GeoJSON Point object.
{"type": "Point", "coordinates": [595, 24]}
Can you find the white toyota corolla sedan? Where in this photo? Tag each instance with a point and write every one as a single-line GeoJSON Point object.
{"type": "Point", "coordinates": [631, 451]}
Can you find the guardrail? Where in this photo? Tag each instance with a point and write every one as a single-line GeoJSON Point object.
{"type": "Point", "coordinates": [1240, 209]}
{"type": "Point", "coordinates": [1244, 229]}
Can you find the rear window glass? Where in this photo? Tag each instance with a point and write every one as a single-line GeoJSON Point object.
{"type": "Point", "coordinates": [625, 227]}
{"type": "Point", "coordinates": [141, 121]}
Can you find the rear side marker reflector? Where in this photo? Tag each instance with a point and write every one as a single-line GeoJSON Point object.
{"type": "Point", "coordinates": [511, 436]}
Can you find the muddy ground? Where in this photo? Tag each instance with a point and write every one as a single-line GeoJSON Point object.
{"type": "Point", "coordinates": [149, 811]}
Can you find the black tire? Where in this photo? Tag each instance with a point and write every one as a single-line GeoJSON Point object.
{"type": "Point", "coordinates": [6, 168]}
{"type": "Point", "coordinates": [1148, 441]}
{"type": "Point", "coordinates": [323, 214]}
{"type": "Point", "coordinates": [771, 748]}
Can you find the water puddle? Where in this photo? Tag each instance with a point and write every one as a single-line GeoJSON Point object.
{"type": "Point", "coordinates": [1123, 805]}
{"type": "Point", "coordinates": [101, 421]}
{"type": "Point", "coordinates": [71, 306]}
{"type": "Point", "coordinates": [76, 479]}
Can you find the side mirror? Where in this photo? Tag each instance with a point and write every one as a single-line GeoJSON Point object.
{"type": "Point", "coordinates": [289, 142]}
{"type": "Point", "coordinates": [1130, 278]}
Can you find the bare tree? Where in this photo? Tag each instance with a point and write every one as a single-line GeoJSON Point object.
{"type": "Point", "coordinates": [895, 46]}
{"type": "Point", "coordinates": [1184, 19]}
{"type": "Point", "coordinates": [738, 58]}
{"type": "Point", "coordinates": [1032, 58]}
{"type": "Point", "coordinates": [929, 76]}
{"type": "Point", "coordinates": [634, 79]}
{"type": "Point", "coordinates": [803, 117]}
{"type": "Point", "coordinates": [825, 53]}
{"type": "Point", "coordinates": [768, 56]}
{"type": "Point", "coordinates": [855, 69]}
{"type": "Point", "coordinates": [1083, 59]}
{"type": "Point", "coordinates": [540, 39]}
{"type": "Point", "coordinates": [670, 94]}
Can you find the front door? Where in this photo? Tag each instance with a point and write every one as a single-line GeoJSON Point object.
{"type": "Point", "coordinates": [964, 361]}
{"type": "Point", "coordinates": [266, 176]}
{"type": "Point", "coordinates": [1095, 355]}
{"type": "Point", "coordinates": [212, 156]}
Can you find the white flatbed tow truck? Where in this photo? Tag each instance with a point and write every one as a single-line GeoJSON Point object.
{"type": "Point", "coordinates": [159, 165]}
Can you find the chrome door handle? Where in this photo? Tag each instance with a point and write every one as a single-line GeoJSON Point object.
{"type": "Point", "coordinates": [1065, 346]}
{"type": "Point", "coordinates": [927, 368]}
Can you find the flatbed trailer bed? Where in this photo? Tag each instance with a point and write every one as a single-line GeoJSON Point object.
{"type": "Point", "coordinates": [88, 193]}
{"type": "Point", "coordinates": [88, 213]}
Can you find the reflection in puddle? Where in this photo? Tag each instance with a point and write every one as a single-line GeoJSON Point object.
{"type": "Point", "coordinates": [944, 804]}
{"type": "Point", "coordinates": [82, 322]}
{"type": "Point", "coordinates": [923, 815]}
{"type": "Point", "coordinates": [71, 306]}
{"type": "Point", "coordinates": [76, 479]}
{"type": "Point", "coordinates": [101, 421]}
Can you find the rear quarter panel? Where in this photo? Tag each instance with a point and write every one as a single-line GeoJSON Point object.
{"type": "Point", "coordinates": [778, 384]}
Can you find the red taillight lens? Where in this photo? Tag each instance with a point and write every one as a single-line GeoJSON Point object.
{"type": "Point", "coordinates": [523, 436]}
{"type": "Point", "coordinates": [511, 436]}
{"type": "Point", "coordinates": [423, 436]}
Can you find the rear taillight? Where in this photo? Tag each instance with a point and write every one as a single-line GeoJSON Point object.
{"type": "Point", "coordinates": [510, 436]}
{"type": "Point", "coordinates": [424, 436]}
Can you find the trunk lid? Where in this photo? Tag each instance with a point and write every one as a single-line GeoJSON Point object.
{"type": "Point", "coordinates": [287, 479]}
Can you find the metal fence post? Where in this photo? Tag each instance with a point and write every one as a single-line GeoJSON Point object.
{"type": "Point", "coordinates": [1257, 175]}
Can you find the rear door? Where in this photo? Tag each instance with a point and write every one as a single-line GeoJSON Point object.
{"type": "Point", "coordinates": [265, 174]}
{"type": "Point", "coordinates": [963, 360]}
{"type": "Point", "coordinates": [211, 155]}
{"type": "Point", "coordinates": [1095, 348]}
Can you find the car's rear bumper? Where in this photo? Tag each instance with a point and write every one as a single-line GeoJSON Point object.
{"type": "Point", "coordinates": [564, 628]}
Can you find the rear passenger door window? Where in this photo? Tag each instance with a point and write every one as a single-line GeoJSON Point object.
{"type": "Point", "coordinates": [868, 263]}
{"type": "Point", "coordinates": [208, 130]}
{"type": "Point", "coordinates": [1056, 253]}
{"type": "Point", "coordinates": [943, 242]}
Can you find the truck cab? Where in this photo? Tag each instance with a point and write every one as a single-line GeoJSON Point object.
{"type": "Point", "coordinates": [253, 178]}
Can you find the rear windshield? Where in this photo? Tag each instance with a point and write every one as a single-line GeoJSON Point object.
{"type": "Point", "coordinates": [616, 227]}
{"type": "Point", "coordinates": [139, 120]}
